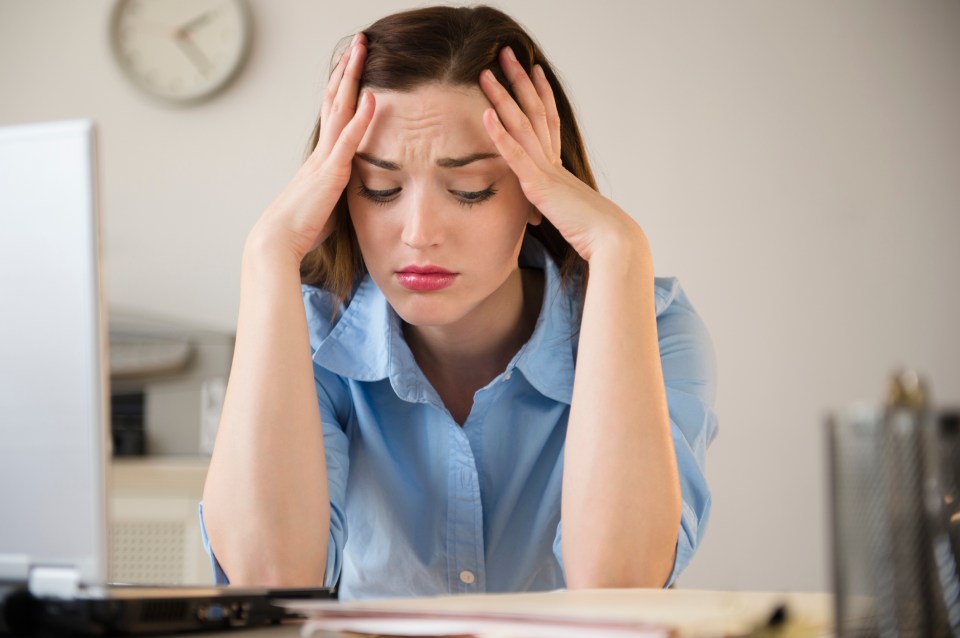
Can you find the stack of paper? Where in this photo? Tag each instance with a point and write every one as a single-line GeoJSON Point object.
{"type": "Point", "coordinates": [635, 613]}
{"type": "Point", "coordinates": [448, 623]}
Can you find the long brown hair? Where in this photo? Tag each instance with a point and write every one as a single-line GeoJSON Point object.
{"type": "Point", "coordinates": [447, 45]}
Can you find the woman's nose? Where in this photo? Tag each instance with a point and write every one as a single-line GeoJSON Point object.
{"type": "Point", "coordinates": [422, 225]}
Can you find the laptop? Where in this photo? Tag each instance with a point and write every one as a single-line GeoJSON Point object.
{"type": "Point", "coordinates": [54, 412]}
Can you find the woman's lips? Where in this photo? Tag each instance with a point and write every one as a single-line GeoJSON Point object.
{"type": "Point", "coordinates": [425, 278]}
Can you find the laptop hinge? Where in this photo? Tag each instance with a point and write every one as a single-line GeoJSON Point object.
{"type": "Point", "coordinates": [54, 582]}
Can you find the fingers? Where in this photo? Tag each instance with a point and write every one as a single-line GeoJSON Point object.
{"type": "Point", "coordinates": [515, 121]}
{"type": "Point", "coordinates": [527, 95]}
{"type": "Point", "coordinates": [335, 76]}
{"type": "Point", "coordinates": [350, 84]}
{"type": "Point", "coordinates": [550, 106]}
{"type": "Point", "coordinates": [510, 149]}
{"type": "Point", "coordinates": [340, 99]}
{"type": "Point", "coordinates": [349, 139]}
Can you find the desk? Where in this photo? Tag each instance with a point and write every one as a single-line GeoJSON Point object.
{"type": "Point", "coordinates": [694, 613]}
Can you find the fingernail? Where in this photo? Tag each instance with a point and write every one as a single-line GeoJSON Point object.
{"type": "Point", "coordinates": [356, 38]}
{"type": "Point", "coordinates": [511, 54]}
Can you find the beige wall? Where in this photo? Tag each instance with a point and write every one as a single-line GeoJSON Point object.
{"type": "Point", "coordinates": [796, 164]}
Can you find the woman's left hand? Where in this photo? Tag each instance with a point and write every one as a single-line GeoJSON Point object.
{"type": "Point", "coordinates": [526, 132]}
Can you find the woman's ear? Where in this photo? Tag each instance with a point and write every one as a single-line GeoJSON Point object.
{"type": "Point", "coordinates": [535, 216]}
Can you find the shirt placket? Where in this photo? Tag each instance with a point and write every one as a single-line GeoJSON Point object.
{"type": "Point", "coordinates": [466, 564]}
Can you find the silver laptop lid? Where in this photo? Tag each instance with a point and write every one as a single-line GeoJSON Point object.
{"type": "Point", "coordinates": [53, 382]}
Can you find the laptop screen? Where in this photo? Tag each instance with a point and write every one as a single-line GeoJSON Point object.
{"type": "Point", "coordinates": [53, 388]}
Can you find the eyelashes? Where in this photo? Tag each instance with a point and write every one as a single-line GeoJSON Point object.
{"type": "Point", "coordinates": [470, 198]}
{"type": "Point", "coordinates": [378, 197]}
{"type": "Point", "coordinates": [464, 198]}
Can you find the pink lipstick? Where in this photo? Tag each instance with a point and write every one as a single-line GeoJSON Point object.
{"type": "Point", "coordinates": [425, 278]}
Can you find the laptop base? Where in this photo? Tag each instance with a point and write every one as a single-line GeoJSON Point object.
{"type": "Point", "coordinates": [157, 611]}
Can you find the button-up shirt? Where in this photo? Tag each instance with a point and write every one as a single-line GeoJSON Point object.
{"type": "Point", "coordinates": [423, 506]}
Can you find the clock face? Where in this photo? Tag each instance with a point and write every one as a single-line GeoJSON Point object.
{"type": "Point", "coordinates": [180, 50]}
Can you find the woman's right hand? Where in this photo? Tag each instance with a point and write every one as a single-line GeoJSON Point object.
{"type": "Point", "coordinates": [301, 218]}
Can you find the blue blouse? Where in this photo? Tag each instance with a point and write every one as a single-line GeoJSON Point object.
{"type": "Point", "coordinates": [423, 506]}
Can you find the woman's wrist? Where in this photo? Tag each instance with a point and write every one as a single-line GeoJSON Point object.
{"type": "Point", "coordinates": [264, 252]}
{"type": "Point", "coordinates": [623, 250]}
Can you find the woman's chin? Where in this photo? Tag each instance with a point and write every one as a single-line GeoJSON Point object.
{"type": "Point", "coordinates": [426, 315]}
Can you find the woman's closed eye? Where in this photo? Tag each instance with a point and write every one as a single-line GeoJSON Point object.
{"type": "Point", "coordinates": [378, 196]}
{"type": "Point", "coordinates": [471, 198]}
{"type": "Point", "coordinates": [465, 198]}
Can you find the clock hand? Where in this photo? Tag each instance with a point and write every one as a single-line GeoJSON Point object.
{"type": "Point", "coordinates": [188, 26]}
{"type": "Point", "coordinates": [193, 52]}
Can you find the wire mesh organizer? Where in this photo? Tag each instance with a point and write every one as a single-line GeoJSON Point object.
{"type": "Point", "coordinates": [895, 517]}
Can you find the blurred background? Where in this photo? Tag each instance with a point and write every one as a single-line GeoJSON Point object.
{"type": "Point", "coordinates": [795, 164]}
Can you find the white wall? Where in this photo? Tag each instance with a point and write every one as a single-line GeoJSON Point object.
{"type": "Point", "coordinates": [797, 164]}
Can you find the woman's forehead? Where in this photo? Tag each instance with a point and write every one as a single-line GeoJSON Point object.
{"type": "Point", "coordinates": [431, 119]}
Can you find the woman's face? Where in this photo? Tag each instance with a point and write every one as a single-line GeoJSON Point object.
{"type": "Point", "coordinates": [439, 215]}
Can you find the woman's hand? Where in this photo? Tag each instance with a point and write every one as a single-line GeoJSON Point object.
{"type": "Point", "coordinates": [527, 136]}
{"type": "Point", "coordinates": [300, 218]}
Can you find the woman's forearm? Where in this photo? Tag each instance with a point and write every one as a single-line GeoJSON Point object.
{"type": "Point", "coordinates": [266, 501]}
{"type": "Point", "coordinates": [621, 492]}
{"type": "Point", "coordinates": [266, 508]}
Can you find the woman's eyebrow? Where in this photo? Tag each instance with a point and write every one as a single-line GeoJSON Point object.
{"type": "Point", "coordinates": [376, 161]}
{"type": "Point", "coordinates": [457, 162]}
{"type": "Point", "coordinates": [446, 162]}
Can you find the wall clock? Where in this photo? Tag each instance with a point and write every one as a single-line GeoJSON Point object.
{"type": "Point", "coordinates": [180, 50]}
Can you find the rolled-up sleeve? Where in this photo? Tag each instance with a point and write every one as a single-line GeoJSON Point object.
{"type": "Point", "coordinates": [335, 444]}
{"type": "Point", "coordinates": [689, 375]}
{"type": "Point", "coordinates": [336, 412]}
{"type": "Point", "coordinates": [219, 577]}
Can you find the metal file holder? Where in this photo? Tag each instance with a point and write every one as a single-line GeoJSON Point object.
{"type": "Point", "coordinates": [895, 517]}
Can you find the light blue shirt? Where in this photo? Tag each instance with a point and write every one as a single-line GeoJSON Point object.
{"type": "Point", "coordinates": [422, 506]}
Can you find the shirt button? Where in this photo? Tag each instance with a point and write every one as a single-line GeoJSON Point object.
{"type": "Point", "coordinates": [467, 577]}
{"type": "Point", "coordinates": [507, 374]}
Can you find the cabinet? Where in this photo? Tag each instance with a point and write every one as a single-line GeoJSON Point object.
{"type": "Point", "coordinates": [154, 521]}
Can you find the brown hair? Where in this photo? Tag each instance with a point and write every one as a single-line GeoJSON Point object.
{"type": "Point", "coordinates": [448, 45]}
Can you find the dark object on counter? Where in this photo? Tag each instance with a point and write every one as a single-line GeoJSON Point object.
{"type": "Point", "coordinates": [126, 424]}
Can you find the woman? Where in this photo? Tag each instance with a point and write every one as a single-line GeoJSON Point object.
{"type": "Point", "coordinates": [484, 346]}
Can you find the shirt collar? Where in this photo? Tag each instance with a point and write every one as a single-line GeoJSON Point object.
{"type": "Point", "coordinates": [367, 343]}
{"type": "Point", "coordinates": [547, 359]}
{"type": "Point", "coordinates": [356, 347]}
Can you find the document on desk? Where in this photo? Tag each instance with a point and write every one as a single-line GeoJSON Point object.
{"type": "Point", "coordinates": [443, 624]}
{"type": "Point", "coordinates": [634, 613]}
